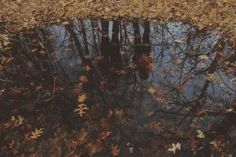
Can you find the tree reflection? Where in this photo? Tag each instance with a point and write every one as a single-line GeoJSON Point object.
{"type": "Point", "coordinates": [183, 93]}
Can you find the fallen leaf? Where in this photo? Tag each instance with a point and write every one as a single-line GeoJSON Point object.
{"type": "Point", "coordinates": [212, 77]}
{"type": "Point", "coordinates": [83, 134]}
{"type": "Point", "coordinates": [36, 133]}
{"type": "Point", "coordinates": [104, 134]}
{"type": "Point", "coordinates": [82, 98]}
{"type": "Point", "coordinates": [81, 108]}
{"type": "Point", "coordinates": [115, 150]}
{"type": "Point", "coordinates": [151, 90]}
{"type": "Point", "coordinates": [88, 68]}
{"type": "Point", "coordinates": [14, 121]}
{"type": "Point", "coordinates": [156, 126]}
{"type": "Point", "coordinates": [174, 147]}
{"type": "Point", "coordinates": [203, 57]}
{"type": "Point", "coordinates": [2, 91]}
{"type": "Point", "coordinates": [200, 134]}
{"type": "Point", "coordinates": [230, 110]}
{"type": "Point", "coordinates": [179, 41]}
{"type": "Point", "coordinates": [83, 79]}
{"type": "Point", "coordinates": [94, 148]}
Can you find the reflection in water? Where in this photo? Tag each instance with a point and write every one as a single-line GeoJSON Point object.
{"type": "Point", "coordinates": [167, 73]}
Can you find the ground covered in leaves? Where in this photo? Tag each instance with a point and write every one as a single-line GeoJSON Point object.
{"type": "Point", "coordinates": [219, 15]}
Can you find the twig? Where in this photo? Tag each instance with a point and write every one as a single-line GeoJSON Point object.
{"type": "Point", "coordinates": [54, 85]}
{"type": "Point", "coordinates": [9, 81]}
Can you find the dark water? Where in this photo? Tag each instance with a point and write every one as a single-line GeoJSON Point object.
{"type": "Point", "coordinates": [145, 72]}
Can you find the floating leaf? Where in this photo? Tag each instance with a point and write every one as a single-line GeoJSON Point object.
{"type": "Point", "coordinates": [174, 147]}
{"type": "Point", "coordinates": [2, 91]}
{"type": "Point", "coordinates": [36, 133]}
{"type": "Point", "coordinates": [82, 98]}
{"type": "Point", "coordinates": [203, 57]}
{"type": "Point", "coordinates": [217, 145]}
{"type": "Point", "coordinates": [115, 150]}
{"type": "Point", "coordinates": [94, 148]}
{"type": "Point", "coordinates": [83, 134]}
{"type": "Point", "coordinates": [83, 79]}
{"type": "Point", "coordinates": [81, 108]}
{"type": "Point", "coordinates": [14, 121]}
{"type": "Point", "coordinates": [179, 41]}
{"type": "Point", "coordinates": [200, 134]}
{"type": "Point", "coordinates": [230, 110]}
{"type": "Point", "coordinates": [151, 90]}
{"type": "Point", "coordinates": [105, 134]}
{"type": "Point", "coordinates": [130, 147]}
{"type": "Point", "coordinates": [212, 77]}
{"type": "Point", "coordinates": [88, 68]}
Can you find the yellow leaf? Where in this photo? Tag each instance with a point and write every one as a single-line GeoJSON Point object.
{"type": "Point", "coordinates": [151, 90]}
{"type": "Point", "coordinates": [230, 110]}
{"type": "Point", "coordinates": [19, 121]}
{"type": "Point", "coordinates": [36, 133]}
{"type": "Point", "coordinates": [200, 134]}
{"type": "Point", "coordinates": [174, 147]}
{"type": "Point", "coordinates": [203, 57]}
{"type": "Point", "coordinates": [14, 121]}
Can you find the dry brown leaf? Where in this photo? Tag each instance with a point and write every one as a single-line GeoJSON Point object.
{"type": "Point", "coordinates": [115, 150]}
{"type": "Point", "coordinates": [94, 148]}
{"type": "Point", "coordinates": [104, 134]}
{"type": "Point", "coordinates": [88, 68]}
{"type": "Point", "coordinates": [155, 126]}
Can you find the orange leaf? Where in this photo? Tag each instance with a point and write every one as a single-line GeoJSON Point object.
{"type": "Point", "coordinates": [115, 150]}
{"type": "Point", "coordinates": [83, 79]}
{"type": "Point", "coordinates": [82, 98]}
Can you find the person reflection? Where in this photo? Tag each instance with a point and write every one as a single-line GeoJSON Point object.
{"type": "Point", "coordinates": [142, 50]}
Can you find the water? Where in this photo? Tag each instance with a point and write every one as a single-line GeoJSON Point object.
{"type": "Point", "coordinates": [160, 82]}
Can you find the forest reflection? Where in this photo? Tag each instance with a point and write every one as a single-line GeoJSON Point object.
{"type": "Point", "coordinates": [166, 72]}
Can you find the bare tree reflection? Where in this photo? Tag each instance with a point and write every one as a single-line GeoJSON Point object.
{"type": "Point", "coordinates": [189, 88]}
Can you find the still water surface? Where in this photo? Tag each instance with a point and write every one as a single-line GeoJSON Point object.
{"type": "Point", "coordinates": [151, 72]}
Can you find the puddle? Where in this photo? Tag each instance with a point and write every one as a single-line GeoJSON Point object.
{"type": "Point", "coordinates": [157, 79]}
